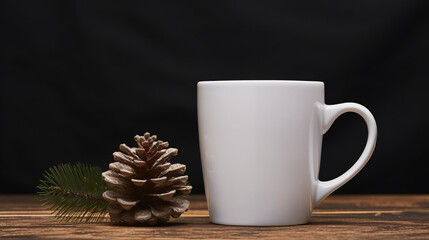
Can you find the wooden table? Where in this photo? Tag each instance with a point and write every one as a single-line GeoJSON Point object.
{"type": "Point", "coordinates": [339, 217]}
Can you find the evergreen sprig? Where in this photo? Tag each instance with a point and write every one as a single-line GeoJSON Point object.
{"type": "Point", "coordinates": [74, 192]}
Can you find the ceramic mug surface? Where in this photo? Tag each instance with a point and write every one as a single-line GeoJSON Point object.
{"type": "Point", "coordinates": [260, 143]}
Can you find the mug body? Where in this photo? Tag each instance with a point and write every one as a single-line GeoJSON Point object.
{"type": "Point", "coordinates": [259, 140]}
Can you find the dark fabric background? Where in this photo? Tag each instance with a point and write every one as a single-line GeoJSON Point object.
{"type": "Point", "coordinates": [80, 77]}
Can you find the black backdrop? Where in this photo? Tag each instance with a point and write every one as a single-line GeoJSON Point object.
{"type": "Point", "coordinates": [80, 77]}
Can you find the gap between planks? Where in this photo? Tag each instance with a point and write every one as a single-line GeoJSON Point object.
{"type": "Point", "coordinates": [192, 213]}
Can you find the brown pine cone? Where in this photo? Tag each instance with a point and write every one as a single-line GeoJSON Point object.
{"type": "Point", "coordinates": [145, 187]}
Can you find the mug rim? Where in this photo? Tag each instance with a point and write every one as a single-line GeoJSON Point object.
{"type": "Point", "coordinates": [310, 82]}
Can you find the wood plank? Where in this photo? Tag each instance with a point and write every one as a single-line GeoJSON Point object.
{"type": "Point", "coordinates": [339, 217]}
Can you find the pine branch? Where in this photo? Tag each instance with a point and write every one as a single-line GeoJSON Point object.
{"type": "Point", "coordinates": [74, 192]}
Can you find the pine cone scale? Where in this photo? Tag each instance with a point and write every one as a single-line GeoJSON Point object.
{"type": "Point", "coordinates": [143, 215]}
{"type": "Point", "coordinates": [114, 179]}
{"type": "Point", "coordinates": [110, 196]}
{"type": "Point", "coordinates": [120, 157]}
{"type": "Point", "coordinates": [139, 163]}
{"type": "Point", "coordinates": [141, 153]}
{"type": "Point", "coordinates": [158, 181]}
{"type": "Point", "coordinates": [174, 169]}
{"type": "Point", "coordinates": [118, 166]}
{"type": "Point", "coordinates": [165, 157]}
{"type": "Point", "coordinates": [126, 204]}
{"type": "Point", "coordinates": [138, 182]}
{"type": "Point", "coordinates": [184, 190]}
{"type": "Point", "coordinates": [124, 148]}
{"type": "Point", "coordinates": [163, 196]}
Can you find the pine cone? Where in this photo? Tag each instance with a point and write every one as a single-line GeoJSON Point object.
{"type": "Point", "coordinates": [145, 189]}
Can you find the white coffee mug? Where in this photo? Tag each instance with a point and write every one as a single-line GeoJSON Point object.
{"type": "Point", "coordinates": [260, 143]}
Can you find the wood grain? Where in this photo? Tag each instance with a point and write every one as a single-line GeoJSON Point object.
{"type": "Point", "coordinates": [339, 217]}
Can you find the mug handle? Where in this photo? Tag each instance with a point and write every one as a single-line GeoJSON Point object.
{"type": "Point", "coordinates": [329, 113]}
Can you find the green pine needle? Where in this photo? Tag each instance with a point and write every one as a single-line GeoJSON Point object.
{"type": "Point", "coordinates": [74, 192]}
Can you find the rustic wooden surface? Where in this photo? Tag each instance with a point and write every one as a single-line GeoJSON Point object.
{"type": "Point", "coordinates": [339, 217]}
